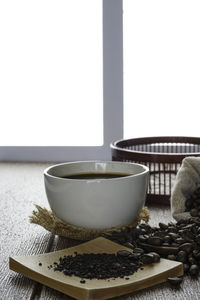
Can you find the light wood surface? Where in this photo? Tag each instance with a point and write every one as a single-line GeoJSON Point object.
{"type": "Point", "coordinates": [36, 267]}
{"type": "Point", "coordinates": [19, 189]}
{"type": "Point", "coordinates": [21, 185]}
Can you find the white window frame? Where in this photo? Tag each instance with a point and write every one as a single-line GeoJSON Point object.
{"type": "Point", "coordinates": [112, 100]}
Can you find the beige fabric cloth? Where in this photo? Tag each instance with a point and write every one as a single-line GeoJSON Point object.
{"type": "Point", "coordinates": [50, 222]}
{"type": "Point", "coordinates": [187, 179]}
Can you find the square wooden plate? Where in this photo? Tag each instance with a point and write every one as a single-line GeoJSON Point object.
{"type": "Point", "coordinates": [92, 289]}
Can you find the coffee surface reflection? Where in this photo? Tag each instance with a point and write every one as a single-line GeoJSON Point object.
{"type": "Point", "coordinates": [91, 176]}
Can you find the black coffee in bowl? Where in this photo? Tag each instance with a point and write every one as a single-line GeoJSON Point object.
{"type": "Point", "coordinates": [92, 175]}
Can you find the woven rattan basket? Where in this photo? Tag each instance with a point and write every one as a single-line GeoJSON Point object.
{"type": "Point", "coordinates": [163, 155]}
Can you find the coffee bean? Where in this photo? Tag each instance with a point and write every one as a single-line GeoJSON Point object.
{"type": "Point", "coordinates": [167, 239]}
{"type": "Point", "coordinates": [143, 238]}
{"type": "Point", "coordinates": [172, 229]}
{"type": "Point", "coordinates": [188, 226]}
{"type": "Point", "coordinates": [180, 241]}
{"type": "Point", "coordinates": [192, 204]}
{"type": "Point", "coordinates": [82, 281]}
{"type": "Point", "coordinates": [175, 281]}
{"type": "Point", "coordinates": [128, 236]}
{"type": "Point", "coordinates": [181, 222]}
{"type": "Point", "coordinates": [156, 256]}
{"type": "Point", "coordinates": [175, 245]}
{"type": "Point", "coordinates": [123, 253]}
{"type": "Point", "coordinates": [135, 255]}
{"type": "Point", "coordinates": [160, 234]}
{"type": "Point", "coordinates": [155, 240]}
{"type": "Point", "coordinates": [171, 224]}
{"type": "Point", "coordinates": [188, 204]}
{"type": "Point", "coordinates": [133, 265]}
{"type": "Point", "coordinates": [166, 244]}
{"type": "Point", "coordinates": [197, 238]}
{"type": "Point", "coordinates": [194, 212]}
{"type": "Point", "coordinates": [197, 200]}
{"type": "Point", "coordinates": [143, 231]}
{"type": "Point", "coordinates": [147, 258]}
{"type": "Point", "coordinates": [163, 226]}
{"type": "Point", "coordinates": [194, 270]}
{"type": "Point", "coordinates": [171, 257]}
{"type": "Point", "coordinates": [145, 226]}
{"type": "Point", "coordinates": [173, 235]}
{"type": "Point", "coordinates": [192, 260]}
{"type": "Point", "coordinates": [187, 247]}
{"type": "Point", "coordinates": [195, 220]}
{"type": "Point", "coordinates": [138, 250]}
{"type": "Point", "coordinates": [188, 236]}
{"type": "Point", "coordinates": [194, 230]}
{"type": "Point", "coordinates": [129, 245]}
{"type": "Point", "coordinates": [154, 229]}
{"type": "Point", "coordinates": [181, 256]}
{"type": "Point", "coordinates": [196, 255]}
{"type": "Point", "coordinates": [186, 268]}
{"type": "Point", "coordinates": [115, 265]}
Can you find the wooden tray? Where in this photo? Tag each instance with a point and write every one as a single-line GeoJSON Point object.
{"type": "Point", "coordinates": [92, 289]}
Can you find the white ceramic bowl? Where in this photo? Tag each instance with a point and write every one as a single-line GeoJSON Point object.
{"type": "Point", "coordinates": [96, 203]}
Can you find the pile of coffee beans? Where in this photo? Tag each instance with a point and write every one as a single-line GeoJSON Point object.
{"type": "Point", "coordinates": [105, 265]}
{"type": "Point", "coordinates": [192, 204]}
{"type": "Point", "coordinates": [178, 241]}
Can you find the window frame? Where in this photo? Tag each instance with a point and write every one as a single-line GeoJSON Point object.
{"type": "Point", "coordinates": [112, 100]}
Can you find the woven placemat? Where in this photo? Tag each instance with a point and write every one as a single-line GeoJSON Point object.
{"type": "Point", "coordinates": [50, 222]}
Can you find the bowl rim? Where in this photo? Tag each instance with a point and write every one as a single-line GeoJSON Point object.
{"type": "Point", "coordinates": [46, 171]}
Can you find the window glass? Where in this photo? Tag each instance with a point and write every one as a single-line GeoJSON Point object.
{"type": "Point", "coordinates": [161, 67]}
{"type": "Point", "coordinates": [51, 90]}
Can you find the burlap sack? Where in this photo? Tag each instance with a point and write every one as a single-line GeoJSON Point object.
{"type": "Point", "coordinates": [50, 222]}
{"type": "Point", "coordinates": [187, 179]}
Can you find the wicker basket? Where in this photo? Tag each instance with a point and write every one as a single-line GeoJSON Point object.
{"type": "Point", "coordinates": [163, 155]}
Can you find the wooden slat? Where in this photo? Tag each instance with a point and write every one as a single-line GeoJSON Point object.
{"type": "Point", "coordinates": [21, 185]}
